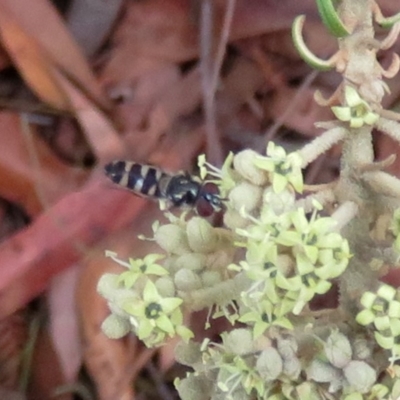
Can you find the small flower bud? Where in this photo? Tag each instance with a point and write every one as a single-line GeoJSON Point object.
{"type": "Point", "coordinates": [187, 353]}
{"type": "Point", "coordinates": [291, 365]}
{"type": "Point", "coordinates": [186, 280]}
{"type": "Point", "coordinates": [172, 239]}
{"type": "Point", "coordinates": [165, 286]}
{"type": "Point", "coordinates": [320, 371]}
{"type": "Point", "coordinates": [360, 376]}
{"type": "Point", "coordinates": [201, 235]}
{"type": "Point", "coordinates": [194, 388]}
{"type": "Point", "coordinates": [269, 364]}
{"type": "Point", "coordinates": [239, 341]}
{"type": "Point", "coordinates": [233, 220]}
{"type": "Point", "coordinates": [338, 349]}
{"type": "Point", "coordinates": [169, 263]}
{"type": "Point", "coordinates": [107, 285]}
{"type": "Point", "coordinates": [243, 163]}
{"type": "Point", "coordinates": [192, 261]}
{"type": "Point", "coordinates": [210, 278]}
{"type": "Point", "coordinates": [115, 327]}
{"type": "Point", "coordinates": [245, 196]}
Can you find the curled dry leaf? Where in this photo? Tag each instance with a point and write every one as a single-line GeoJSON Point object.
{"type": "Point", "coordinates": [32, 182]}
{"type": "Point", "coordinates": [36, 47]}
{"type": "Point", "coordinates": [49, 244]}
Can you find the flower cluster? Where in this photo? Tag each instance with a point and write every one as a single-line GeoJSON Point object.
{"type": "Point", "coordinates": [382, 309]}
{"type": "Point", "coordinates": [289, 257]}
{"type": "Point", "coordinates": [356, 111]}
{"type": "Point", "coordinates": [148, 298]}
{"type": "Point", "coordinates": [244, 368]}
{"type": "Point", "coordinates": [241, 367]}
{"type": "Point", "coordinates": [140, 305]}
{"type": "Point", "coordinates": [342, 366]}
{"type": "Point", "coordinates": [292, 258]}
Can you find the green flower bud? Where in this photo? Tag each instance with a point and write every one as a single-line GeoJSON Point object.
{"type": "Point", "coordinates": [243, 163]}
{"type": "Point", "coordinates": [115, 327]}
{"type": "Point", "coordinates": [188, 353]}
{"type": "Point", "coordinates": [172, 239]}
{"type": "Point", "coordinates": [201, 235]}
{"type": "Point", "coordinates": [291, 365]}
{"type": "Point", "coordinates": [269, 364]}
{"type": "Point", "coordinates": [165, 286]}
{"type": "Point", "coordinates": [245, 196]}
{"type": "Point", "coordinates": [211, 278]}
{"type": "Point", "coordinates": [107, 285]}
{"type": "Point", "coordinates": [169, 263]}
{"type": "Point", "coordinates": [233, 220]}
{"type": "Point", "coordinates": [320, 371]}
{"type": "Point", "coordinates": [360, 376]}
{"type": "Point", "coordinates": [338, 349]}
{"type": "Point", "coordinates": [239, 341]}
{"type": "Point", "coordinates": [192, 261]}
{"type": "Point", "coordinates": [193, 388]}
{"type": "Point", "coordinates": [187, 280]}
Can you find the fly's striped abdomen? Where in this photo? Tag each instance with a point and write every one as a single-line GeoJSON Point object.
{"type": "Point", "coordinates": [179, 190]}
{"type": "Point", "coordinates": [142, 179]}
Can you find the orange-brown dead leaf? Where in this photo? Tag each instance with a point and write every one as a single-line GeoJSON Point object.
{"type": "Point", "coordinates": [59, 237]}
{"type": "Point", "coordinates": [31, 185]}
{"type": "Point", "coordinates": [38, 39]}
{"type": "Point", "coordinates": [32, 62]}
{"type": "Point", "coordinates": [46, 375]}
{"type": "Point", "coordinates": [99, 130]}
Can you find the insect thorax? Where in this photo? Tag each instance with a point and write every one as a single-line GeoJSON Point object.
{"type": "Point", "coordinates": [183, 189]}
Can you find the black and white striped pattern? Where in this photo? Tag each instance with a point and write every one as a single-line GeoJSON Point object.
{"type": "Point", "coordinates": [179, 190]}
{"type": "Point", "coordinates": [142, 179]}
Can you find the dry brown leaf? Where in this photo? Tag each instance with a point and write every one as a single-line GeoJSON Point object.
{"type": "Point", "coordinates": [154, 33]}
{"type": "Point", "coordinates": [57, 238]}
{"type": "Point", "coordinates": [31, 61]}
{"type": "Point", "coordinates": [58, 74]}
{"type": "Point", "coordinates": [46, 375]}
{"type": "Point", "coordinates": [157, 31]}
{"type": "Point", "coordinates": [24, 182]}
{"type": "Point", "coordinates": [40, 30]}
{"type": "Point", "coordinates": [13, 336]}
{"type": "Point", "coordinates": [98, 129]}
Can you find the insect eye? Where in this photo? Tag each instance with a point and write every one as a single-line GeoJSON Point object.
{"type": "Point", "coordinates": [204, 207]}
{"type": "Point", "coordinates": [209, 199]}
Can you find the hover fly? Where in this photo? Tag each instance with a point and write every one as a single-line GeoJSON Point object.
{"type": "Point", "coordinates": [178, 190]}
